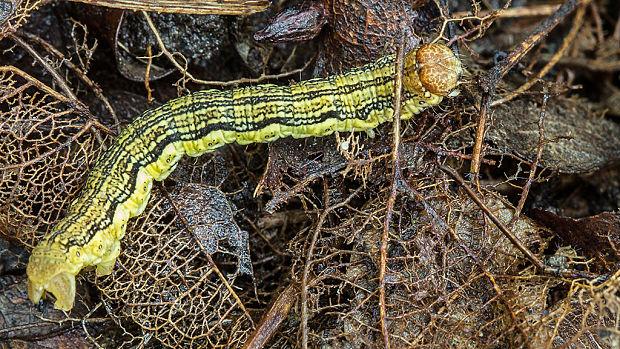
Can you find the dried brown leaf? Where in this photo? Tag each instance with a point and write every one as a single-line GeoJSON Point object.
{"type": "Point", "coordinates": [587, 142]}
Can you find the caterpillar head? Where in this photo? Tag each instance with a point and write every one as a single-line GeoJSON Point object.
{"type": "Point", "coordinates": [56, 261]}
{"type": "Point", "coordinates": [432, 68]}
{"type": "Point", "coordinates": [48, 270]}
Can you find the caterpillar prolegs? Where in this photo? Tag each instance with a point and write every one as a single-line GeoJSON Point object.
{"type": "Point", "coordinates": [119, 184]}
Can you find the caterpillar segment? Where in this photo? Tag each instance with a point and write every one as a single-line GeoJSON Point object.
{"type": "Point", "coordinates": [119, 184]}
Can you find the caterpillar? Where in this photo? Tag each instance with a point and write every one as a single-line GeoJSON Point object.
{"type": "Point", "coordinates": [119, 184]}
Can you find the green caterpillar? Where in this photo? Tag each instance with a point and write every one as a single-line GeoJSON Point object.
{"type": "Point", "coordinates": [119, 185]}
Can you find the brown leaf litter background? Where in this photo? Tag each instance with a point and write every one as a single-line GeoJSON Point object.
{"type": "Point", "coordinates": [352, 241]}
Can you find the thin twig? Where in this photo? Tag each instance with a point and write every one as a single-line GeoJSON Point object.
{"type": "Point", "coordinates": [305, 316]}
{"type": "Point", "coordinates": [271, 321]}
{"type": "Point", "coordinates": [513, 12]}
{"type": "Point", "coordinates": [571, 274]}
{"type": "Point", "coordinates": [72, 98]}
{"type": "Point", "coordinates": [186, 73]}
{"type": "Point", "coordinates": [566, 44]}
{"type": "Point", "coordinates": [80, 74]}
{"type": "Point", "coordinates": [147, 75]}
{"type": "Point", "coordinates": [492, 78]}
{"type": "Point", "coordinates": [453, 154]}
{"type": "Point", "coordinates": [591, 64]}
{"type": "Point", "coordinates": [530, 179]}
{"type": "Point", "coordinates": [396, 179]}
{"type": "Point", "coordinates": [495, 220]}
{"type": "Point", "coordinates": [477, 153]}
{"type": "Point", "coordinates": [598, 23]}
{"type": "Point", "coordinates": [88, 335]}
{"type": "Point", "coordinates": [41, 86]}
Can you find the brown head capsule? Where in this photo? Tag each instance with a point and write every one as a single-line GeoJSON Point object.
{"type": "Point", "coordinates": [438, 70]}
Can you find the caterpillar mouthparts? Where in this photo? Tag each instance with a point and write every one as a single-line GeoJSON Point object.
{"type": "Point", "coordinates": [119, 184]}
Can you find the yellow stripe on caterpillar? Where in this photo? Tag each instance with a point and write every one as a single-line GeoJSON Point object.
{"type": "Point", "coordinates": [119, 184]}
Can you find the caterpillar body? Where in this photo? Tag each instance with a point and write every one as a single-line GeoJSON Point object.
{"type": "Point", "coordinates": [119, 184]}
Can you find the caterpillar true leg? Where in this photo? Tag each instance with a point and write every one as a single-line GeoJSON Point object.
{"type": "Point", "coordinates": [119, 184]}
